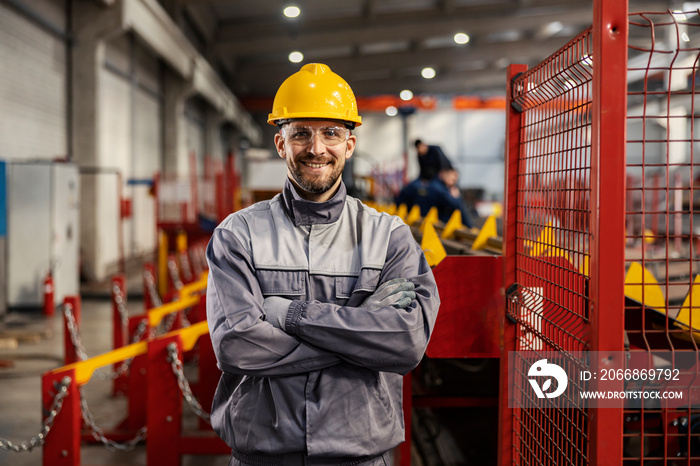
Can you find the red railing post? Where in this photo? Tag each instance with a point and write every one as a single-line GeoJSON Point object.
{"type": "Point", "coordinates": [70, 351]}
{"type": "Point", "coordinates": [513, 130]}
{"type": "Point", "coordinates": [62, 444]}
{"type": "Point", "coordinates": [405, 448]}
{"type": "Point", "coordinates": [136, 395]}
{"type": "Point", "coordinates": [608, 173]}
{"type": "Point", "coordinates": [164, 400]}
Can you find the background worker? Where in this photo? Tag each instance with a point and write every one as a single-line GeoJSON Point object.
{"type": "Point", "coordinates": [320, 303]}
{"type": "Point", "coordinates": [431, 160]}
{"type": "Point", "coordinates": [441, 192]}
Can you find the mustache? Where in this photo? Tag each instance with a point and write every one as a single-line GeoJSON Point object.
{"type": "Point", "coordinates": [314, 159]}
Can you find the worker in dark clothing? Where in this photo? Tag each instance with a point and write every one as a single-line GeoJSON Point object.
{"type": "Point", "coordinates": [440, 192]}
{"type": "Point", "coordinates": [317, 304]}
{"type": "Point", "coordinates": [431, 159]}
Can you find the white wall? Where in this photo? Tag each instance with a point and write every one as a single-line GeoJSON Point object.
{"type": "Point", "coordinates": [33, 95]}
{"type": "Point", "coordinates": [130, 149]}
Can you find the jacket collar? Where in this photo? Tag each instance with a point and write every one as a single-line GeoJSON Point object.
{"type": "Point", "coordinates": [303, 212]}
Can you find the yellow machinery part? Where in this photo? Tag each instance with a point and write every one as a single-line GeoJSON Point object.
{"type": "Point", "coordinates": [432, 246]}
{"type": "Point", "coordinates": [452, 225]}
{"type": "Point", "coordinates": [488, 230]}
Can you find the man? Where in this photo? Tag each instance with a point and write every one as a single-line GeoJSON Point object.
{"type": "Point", "coordinates": [441, 192]}
{"type": "Point", "coordinates": [431, 160]}
{"type": "Point", "coordinates": [317, 305]}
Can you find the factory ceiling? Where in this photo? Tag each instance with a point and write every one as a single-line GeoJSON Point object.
{"type": "Point", "coordinates": [383, 46]}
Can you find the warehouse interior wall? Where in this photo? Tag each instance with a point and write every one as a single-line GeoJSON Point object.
{"type": "Point", "coordinates": [33, 83]}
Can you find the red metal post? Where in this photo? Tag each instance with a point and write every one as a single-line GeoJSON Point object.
{"type": "Point", "coordinates": [194, 200]}
{"type": "Point", "coordinates": [136, 395]}
{"type": "Point", "coordinates": [164, 401]}
{"type": "Point", "coordinates": [70, 352]}
{"type": "Point", "coordinates": [405, 448]}
{"type": "Point", "coordinates": [62, 444]}
{"type": "Point", "coordinates": [608, 171]}
{"type": "Point", "coordinates": [49, 304]}
{"type": "Point", "coordinates": [513, 135]}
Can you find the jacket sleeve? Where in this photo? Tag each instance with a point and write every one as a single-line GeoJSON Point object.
{"type": "Point", "coordinates": [243, 342]}
{"type": "Point", "coordinates": [386, 339]}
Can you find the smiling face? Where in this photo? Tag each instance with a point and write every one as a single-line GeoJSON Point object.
{"type": "Point", "coordinates": [315, 152]}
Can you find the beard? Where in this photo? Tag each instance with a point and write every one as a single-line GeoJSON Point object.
{"type": "Point", "coordinates": [315, 184]}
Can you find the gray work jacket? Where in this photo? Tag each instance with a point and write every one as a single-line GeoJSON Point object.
{"type": "Point", "coordinates": [331, 384]}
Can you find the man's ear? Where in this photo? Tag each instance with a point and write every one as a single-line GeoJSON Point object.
{"type": "Point", "coordinates": [279, 144]}
{"type": "Point", "coordinates": [350, 145]}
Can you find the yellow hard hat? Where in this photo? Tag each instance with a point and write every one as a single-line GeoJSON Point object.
{"type": "Point", "coordinates": [315, 92]}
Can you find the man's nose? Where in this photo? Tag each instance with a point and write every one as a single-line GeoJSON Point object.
{"type": "Point", "coordinates": [317, 145]}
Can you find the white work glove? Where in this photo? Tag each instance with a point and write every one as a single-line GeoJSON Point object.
{"type": "Point", "coordinates": [276, 310]}
{"type": "Point", "coordinates": [397, 292]}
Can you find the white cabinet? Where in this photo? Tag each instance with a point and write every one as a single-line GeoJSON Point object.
{"type": "Point", "coordinates": [43, 219]}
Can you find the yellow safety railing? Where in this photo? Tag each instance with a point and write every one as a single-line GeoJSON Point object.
{"type": "Point", "coordinates": [85, 369]}
{"type": "Point", "coordinates": [156, 315]}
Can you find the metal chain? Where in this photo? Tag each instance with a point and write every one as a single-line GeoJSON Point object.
{"type": "Point", "coordinates": [73, 331]}
{"type": "Point", "coordinates": [140, 331]}
{"type": "Point", "coordinates": [80, 349]}
{"type": "Point", "coordinates": [184, 385]}
{"type": "Point", "coordinates": [98, 433]}
{"type": "Point", "coordinates": [151, 287]}
{"type": "Point", "coordinates": [186, 266]}
{"type": "Point", "coordinates": [196, 264]}
{"type": "Point", "coordinates": [56, 406]}
{"type": "Point", "coordinates": [174, 274]}
{"type": "Point", "coordinates": [121, 306]}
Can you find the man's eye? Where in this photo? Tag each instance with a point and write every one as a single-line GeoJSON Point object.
{"type": "Point", "coordinates": [332, 132]}
{"type": "Point", "coordinates": [300, 135]}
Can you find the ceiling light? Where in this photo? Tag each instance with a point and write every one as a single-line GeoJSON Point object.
{"type": "Point", "coordinates": [685, 37]}
{"type": "Point", "coordinates": [428, 73]}
{"type": "Point", "coordinates": [392, 111]}
{"type": "Point", "coordinates": [292, 11]}
{"type": "Point", "coordinates": [461, 38]}
{"type": "Point", "coordinates": [296, 57]}
{"type": "Point", "coordinates": [679, 15]}
{"type": "Point", "coordinates": [406, 95]}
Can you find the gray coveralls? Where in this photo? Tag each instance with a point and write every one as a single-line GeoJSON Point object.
{"type": "Point", "coordinates": [328, 389]}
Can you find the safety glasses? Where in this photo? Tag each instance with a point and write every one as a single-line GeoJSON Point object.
{"type": "Point", "coordinates": [303, 135]}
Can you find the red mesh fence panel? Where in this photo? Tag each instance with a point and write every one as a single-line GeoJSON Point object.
{"type": "Point", "coordinates": [662, 202]}
{"type": "Point", "coordinates": [549, 302]}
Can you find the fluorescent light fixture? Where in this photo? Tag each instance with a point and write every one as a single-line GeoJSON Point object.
{"type": "Point", "coordinates": [406, 94]}
{"type": "Point", "coordinates": [428, 73]}
{"type": "Point", "coordinates": [292, 11]}
{"type": "Point", "coordinates": [587, 60]}
{"type": "Point", "coordinates": [296, 57]}
{"type": "Point", "coordinates": [678, 14]}
{"type": "Point", "coordinates": [392, 111]}
{"type": "Point", "coordinates": [461, 38]}
{"type": "Point", "coordinates": [685, 37]}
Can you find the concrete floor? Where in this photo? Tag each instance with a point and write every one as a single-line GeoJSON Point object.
{"type": "Point", "coordinates": [40, 348]}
